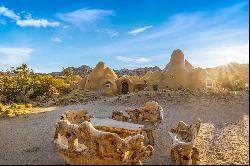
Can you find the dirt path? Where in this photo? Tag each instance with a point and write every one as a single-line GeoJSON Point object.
{"type": "Point", "coordinates": [223, 138]}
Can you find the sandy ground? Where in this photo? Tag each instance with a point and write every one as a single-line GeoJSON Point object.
{"type": "Point", "coordinates": [223, 138]}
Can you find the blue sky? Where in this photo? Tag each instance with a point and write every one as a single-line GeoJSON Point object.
{"type": "Point", "coordinates": [49, 35]}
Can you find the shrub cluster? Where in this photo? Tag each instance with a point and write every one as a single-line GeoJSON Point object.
{"type": "Point", "coordinates": [14, 109]}
{"type": "Point", "coordinates": [21, 85]}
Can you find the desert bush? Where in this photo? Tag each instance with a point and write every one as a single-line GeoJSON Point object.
{"type": "Point", "coordinates": [68, 73]}
{"type": "Point", "coordinates": [10, 112]}
{"type": "Point", "coordinates": [1, 107]}
{"type": "Point", "coordinates": [23, 85]}
{"type": "Point", "coordinates": [29, 105]}
{"type": "Point", "coordinates": [20, 106]}
{"type": "Point", "coordinates": [238, 85]}
{"type": "Point", "coordinates": [13, 105]}
{"type": "Point", "coordinates": [155, 87]}
{"type": "Point", "coordinates": [233, 85]}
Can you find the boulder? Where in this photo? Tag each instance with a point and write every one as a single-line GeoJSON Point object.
{"type": "Point", "coordinates": [183, 139]}
{"type": "Point", "coordinates": [78, 142]}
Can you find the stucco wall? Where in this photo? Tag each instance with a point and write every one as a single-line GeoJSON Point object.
{"type": "Point", "coordinates": [100, 75]}
{"type": "Point", "coordinates": [178, 73]}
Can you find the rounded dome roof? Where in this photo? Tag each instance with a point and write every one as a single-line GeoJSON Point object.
{"type": "Point", "coordinates": [177, 56]}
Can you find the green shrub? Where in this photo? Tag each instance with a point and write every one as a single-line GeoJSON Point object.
{"type": "Point", "coordinates": [10, 112]}
{"type": "Point", "coordinates": [155, 87]}
{"type": "Point", "coordinates": [1, 107]}
{"type": "Point", "coordinates": [20, 106]}
{"type": "Point", "coordinates": [28, 105]}
{"type": "Point", "coordinates": [23, 85]}
{"type": "Point", "coordinates": [13, 105]}
{"type": "Point", "coordinates": [238, 85]}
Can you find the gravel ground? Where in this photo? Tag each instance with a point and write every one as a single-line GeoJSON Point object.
{"type": "Point", "coordinates": [223, 138]}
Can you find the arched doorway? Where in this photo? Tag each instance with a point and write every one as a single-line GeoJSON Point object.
{"type": "Point", "coordinates": [124, 87]}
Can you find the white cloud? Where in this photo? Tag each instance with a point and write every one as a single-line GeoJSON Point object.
{"type": "Point", "coordinates": [188, 31]}
{"type": "Point", "coordinates": [13, 56]}
{"type": "Point", "coordinates": [56, 39]}
{"type": "Point", "coordinates": [221, 55]}
{"type": "Point", "coordinates": [81, 16]}
{"type": "Point", "coordinates": [140, 30]}
{"type": "Point", "coordinates": [132, 60]}
{"type": "Point", "coordinates": [112, 34]}
{"type": "Point", "coordinates": [8, 13]}
{"type": "Point", "coordinates": [37, 23]}
{"type": "Point", "coordinates": [28, 20]}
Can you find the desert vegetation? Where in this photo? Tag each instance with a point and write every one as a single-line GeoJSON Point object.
{"type": "Point", "coordinates": [22, 87]}
{"type": "Point", "coordinates": [14, 109]}
{"type": "Point", "coordinates": [23, 93]}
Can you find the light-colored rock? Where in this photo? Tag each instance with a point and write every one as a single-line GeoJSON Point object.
{"type": "Point", "coordinates": [82, 144]}
{"type": "Point", "coordinates": [183, 137]}
{"type": "Point", "coordinates": [76, 117]}
{"type": "Point", "coordinates": [150, 116]}
{"type": "Point", "coordinates": [151, 106]}
{"type": "Point", "coordinates": [118, 115]}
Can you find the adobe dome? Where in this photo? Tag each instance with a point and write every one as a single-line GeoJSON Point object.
{"type": "Point", "coordinates": [100, 65]}
{"type": "Point", "coordinates": [177, 57]}
{"type": "Point", "coordinates": [99, 76]}
{"type": "Point", "coordinates": [109, 71]}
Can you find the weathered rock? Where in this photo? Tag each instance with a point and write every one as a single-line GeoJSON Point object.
{"type": "Point", "coordinates": [150, 116]}
{"type": "Point", "coordinates": [183, 137]}
{"type": "Point", "coordinates": [117, 115]}
{"type": "Point", "coordinates": [78, 142]}
{"type": "Point", "coordinates": [76, 117]}
{"type": "Point", "coordinates": [151, 106]}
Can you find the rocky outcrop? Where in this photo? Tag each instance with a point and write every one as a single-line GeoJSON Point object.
{"type": "Point", "coordinates": [183, 139]}
{"type": "Point", "coordinates": [151, 115]}
{"type": "Point", "coordinates": [78, 142]}
{"type": "Point", "coordinates": [81, 71]}
{"type": "Point", "coordinates": [138, 71]}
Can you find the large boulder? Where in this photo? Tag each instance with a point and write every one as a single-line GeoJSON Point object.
{"type": "Point", "coordinates": [79, 142]}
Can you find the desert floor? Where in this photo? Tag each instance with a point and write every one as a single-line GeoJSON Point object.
{"type": "Point", "coordinates": [223, 138]}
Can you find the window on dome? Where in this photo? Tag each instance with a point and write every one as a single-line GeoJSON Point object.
{"type": "Point", "coordinates": [209, 83]}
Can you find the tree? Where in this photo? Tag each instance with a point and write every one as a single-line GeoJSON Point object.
{"type": "Point", "coordinates": [68, 73]}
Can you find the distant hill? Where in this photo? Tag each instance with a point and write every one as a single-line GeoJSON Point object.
{"type": "Point", "coordinates": [138, 71]}
{"type": "Point", "coordinates": [82, 71]}
{"type": "Point", "coordinates": [85, 70]}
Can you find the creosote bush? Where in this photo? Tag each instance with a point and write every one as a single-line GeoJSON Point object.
{"type": "Point", "coordinates": [28, 105]}
{"type": "Point", "coordinates": [1, 107]}
{"type": "Point", "coordinates": [155, 87]}
{"type": "Point", "coordinates": [21, 85]}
